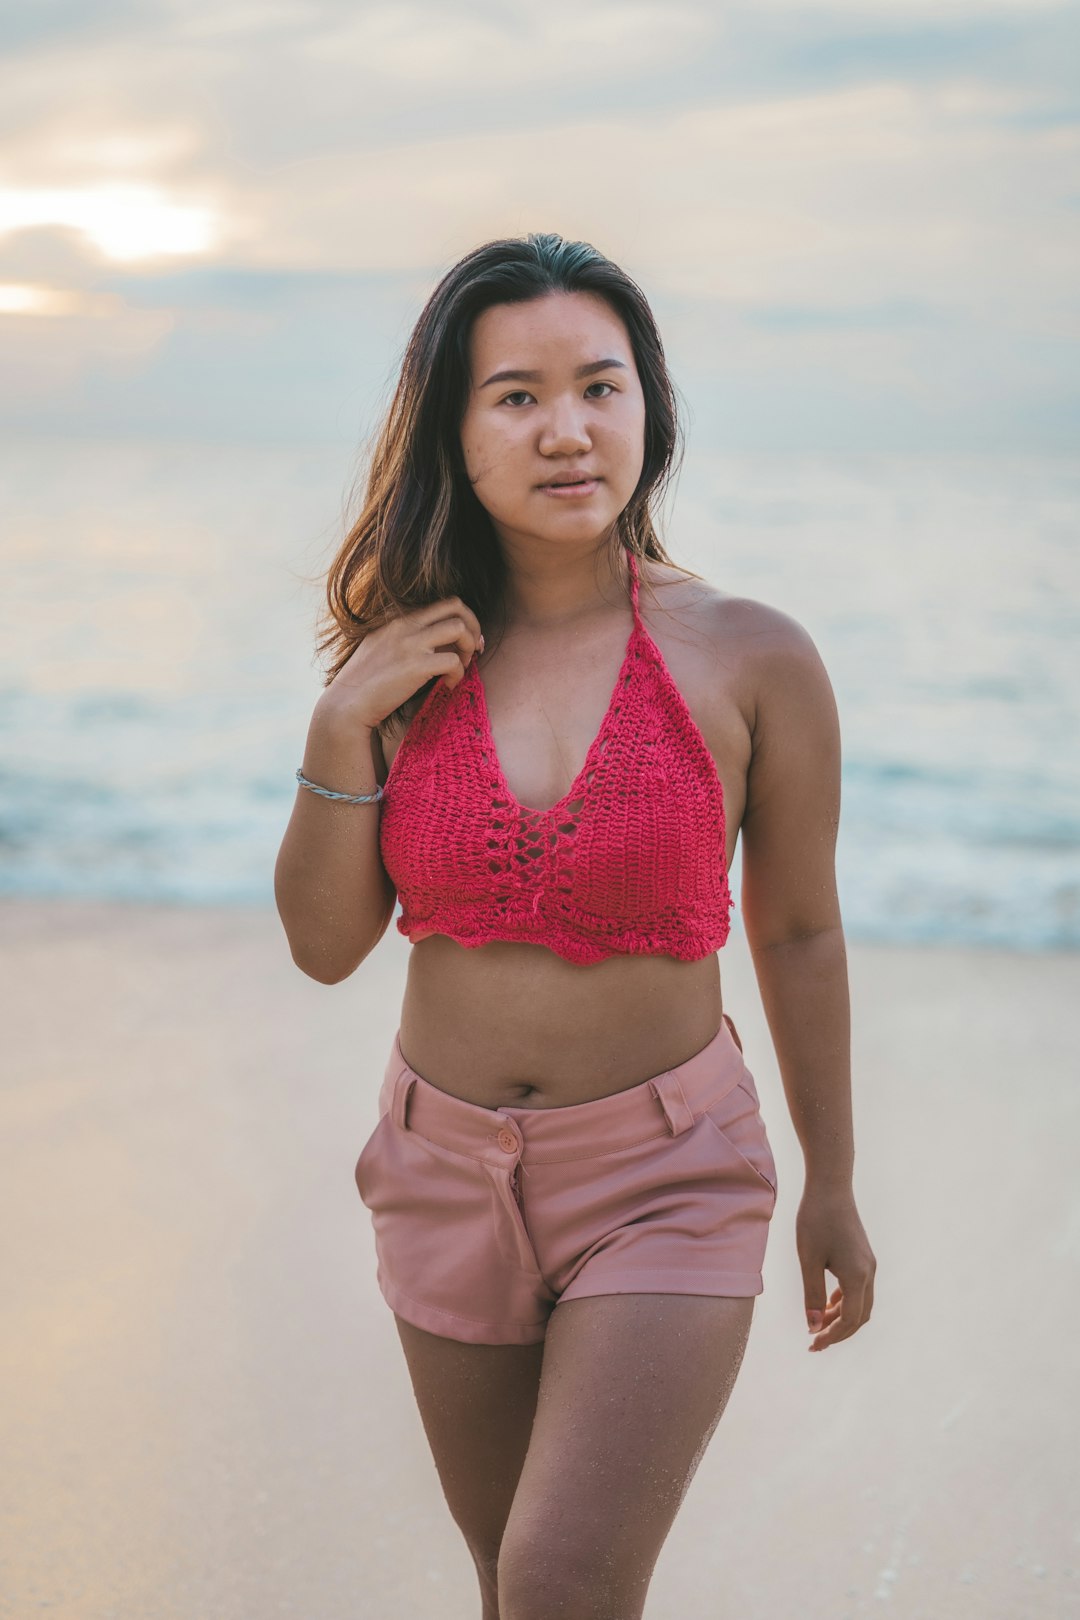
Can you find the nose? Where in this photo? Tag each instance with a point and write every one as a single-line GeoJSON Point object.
{"type": "Point", "coordinates": [564, 430]}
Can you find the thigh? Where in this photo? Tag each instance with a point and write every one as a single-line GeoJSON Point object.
{"type": "Point", "coordinates": [477, 1403]}
{"type": "Point", "coordinates": [631, 1391]}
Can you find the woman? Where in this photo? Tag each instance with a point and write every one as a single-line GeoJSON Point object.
{"type": "Point", "coordinates": [544, 738]}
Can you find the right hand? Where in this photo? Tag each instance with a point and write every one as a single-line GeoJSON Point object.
{"type": "Point", "coordinates": [396, 660]}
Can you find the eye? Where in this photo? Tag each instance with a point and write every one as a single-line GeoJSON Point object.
{"type": "Point", "coordinates": [521, 393]}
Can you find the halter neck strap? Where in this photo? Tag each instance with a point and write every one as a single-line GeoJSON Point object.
{"type": "Point", "coordinates": [634, 583]}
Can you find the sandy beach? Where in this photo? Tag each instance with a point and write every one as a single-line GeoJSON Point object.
{"type": "Point", "coordinates": [208, 1416]}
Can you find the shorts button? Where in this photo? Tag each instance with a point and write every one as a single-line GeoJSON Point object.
{"type": "Point", "coordinates": [508, 1141]}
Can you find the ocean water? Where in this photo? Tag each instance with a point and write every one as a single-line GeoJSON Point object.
{"type": "Point", "coordinates": [157, 671]}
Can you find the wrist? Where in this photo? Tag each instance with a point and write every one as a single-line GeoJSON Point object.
{"type": "Point", "coordinates": [338, 756]}
{"type": "Point", "coordinates": [833, 1182]}
{"type": "Point", "coordinates": [335, 712]}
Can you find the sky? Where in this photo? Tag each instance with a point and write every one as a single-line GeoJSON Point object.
{"type": "Point", "coordinates": [858, 224]}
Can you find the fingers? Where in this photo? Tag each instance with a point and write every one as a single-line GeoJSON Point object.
{"type": "Point", "coordinates": [831, 1238]}
{"type": "Point", "coordinates": [844, 1315]}
{"type": "Point", "coordinates": [817, 1314]}
{"type": "Point", "coordinates": [833, 1312]}
{"type": "Point", "coordinates": [456, 627]}
{"type": "Point", "coordinates": [451, 611]}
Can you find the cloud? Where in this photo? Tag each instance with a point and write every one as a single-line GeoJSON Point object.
{"type": "Point", "coordinates": [418, 45]}
{"type": "Point", "coordinates": [888, 16]}
{"type": "Point", "coordinates": [810, 192]}
{"type": "Point", "coordinates": [851, 197]}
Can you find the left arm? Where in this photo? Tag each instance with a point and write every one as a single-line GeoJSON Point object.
{"type": "Point", "coordinates": [791, 913]}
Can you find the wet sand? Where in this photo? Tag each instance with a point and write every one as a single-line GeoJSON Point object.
{"type": "Point", "coordinates": [207, 1413]}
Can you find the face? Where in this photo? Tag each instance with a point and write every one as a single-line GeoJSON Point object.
{"type": "Point", "coordinates": [519, 432]}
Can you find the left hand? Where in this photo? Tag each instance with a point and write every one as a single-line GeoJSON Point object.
{"type": "Point", "coordinates": [829, 1234]}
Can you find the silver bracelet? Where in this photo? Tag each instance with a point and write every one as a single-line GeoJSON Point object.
{"type": "Point", "coordinates": [350, 798]}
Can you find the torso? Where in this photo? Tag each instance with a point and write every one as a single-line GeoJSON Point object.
{"type": "Point", "coordinates": [515, 1024]}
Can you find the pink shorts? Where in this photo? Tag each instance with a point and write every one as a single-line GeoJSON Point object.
{"type": "Point", "coordinates": [485, 1219]}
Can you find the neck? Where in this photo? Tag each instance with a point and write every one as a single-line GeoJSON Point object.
{"type": "Point", "coordinates": [555, 589]}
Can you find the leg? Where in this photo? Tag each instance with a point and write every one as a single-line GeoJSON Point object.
{"type": "Point", "coordinates": [632, 1388]}
{"type": "Point", "coordinates": [477, 1403]}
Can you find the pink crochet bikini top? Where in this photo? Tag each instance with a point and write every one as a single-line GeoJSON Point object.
{"type": "Point", "coordinates": [630, 861]}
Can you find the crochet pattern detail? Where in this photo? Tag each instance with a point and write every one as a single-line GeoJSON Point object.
{"type": "Point", "coordinates": [630, 861]}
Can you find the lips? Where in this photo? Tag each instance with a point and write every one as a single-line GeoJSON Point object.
{"type": "Point", "coordinates": [581, 478]}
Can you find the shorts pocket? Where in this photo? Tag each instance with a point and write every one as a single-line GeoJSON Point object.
{"type": "Point", "coordinates": [737, 1118]}
{"type": "Point", "coordinates": [367, 1153]}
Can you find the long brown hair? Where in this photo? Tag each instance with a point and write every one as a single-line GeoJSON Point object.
{"type": "Point", "coordinates": [422, 534]}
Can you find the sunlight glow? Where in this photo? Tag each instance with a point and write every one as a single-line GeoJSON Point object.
{"type": "Point", "coordinates": [125, 222]}
{"type": "Point", "coordinates": [24, 298]}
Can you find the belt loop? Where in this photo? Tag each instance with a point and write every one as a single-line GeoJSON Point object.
{"type": "Point", "coordinates": [669, 1094]}
{"type": "Point", "coordinates": [399, 1103]}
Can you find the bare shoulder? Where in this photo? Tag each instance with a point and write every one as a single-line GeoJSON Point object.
{"type": "Point", "coordinates": [685, 593]}
{"type": "Point", "coordinates": [759, 647]}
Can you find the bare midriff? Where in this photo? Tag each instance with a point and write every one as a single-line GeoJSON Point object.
{"type": "Point", "coordinates": [516, 1025]}
{"type": "Point", "coordinates": [512, 1024]}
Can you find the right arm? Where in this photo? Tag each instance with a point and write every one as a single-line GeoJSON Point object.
{"type": "Point", "coordinates": [333, 893]}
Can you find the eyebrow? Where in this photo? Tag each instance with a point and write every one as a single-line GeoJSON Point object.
{"type": "Point", "coordinates": [537, 376]}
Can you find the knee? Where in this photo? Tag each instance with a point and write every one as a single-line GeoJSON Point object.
{"type": "Point", "coordinates": [486, 1559]}
{"type": "Point", "coordinates": [547, 1579]}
